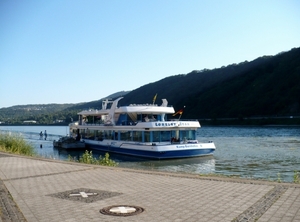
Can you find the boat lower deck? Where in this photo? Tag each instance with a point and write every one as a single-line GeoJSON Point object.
{"type": "Point", "coordinates": [155, 151]}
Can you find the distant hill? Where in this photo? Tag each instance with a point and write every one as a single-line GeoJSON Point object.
{"type": "Point", "coordinates": [49, 113]}
{"type": "Point", "coordinates": [266, 86]}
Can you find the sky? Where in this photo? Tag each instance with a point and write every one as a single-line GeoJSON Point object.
{"type": "Point", "coordinates": [72, 51]}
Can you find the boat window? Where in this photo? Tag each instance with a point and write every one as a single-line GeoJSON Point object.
{"type": "Point", "coordinates": [81, 131]}
{"type": "Point", "coordinates": [127, 120]}
{"type": "Point", "coordinates": [122, 119]}
{"type": "Point", "coordinates": [90, 134]}
{"type": "Point", "coordinates": [153, 118]}
{"type": "Point", "coordinates": [147, 136]}
{"type": "Point", "coordinates": [131, 118]}
{"type": "Point", "coordinates": [188, 134]}
{"type": "Point", "coordinates": [175, 136]}
{"type": "Point", "coordinates": [142, 118]}
{"type": "Point", "coordinates": [165, 136]}
{"type": "Point", "coordinates": [108, 134]}
{"type": "Point", "coordinates": [127, 136]}
{"type": "Point", "coordinates": [98, 120]}
{"type": "Point", "coordinates": [89, 119]}
{"type": "Point", "coordinates": [137, 136]}
{"type": "Point", "coordinates": [156, 136]}
{"type": "Point", "coordinates": [115, 135]}
{"type": "Point", "coordinates": [99, 135]}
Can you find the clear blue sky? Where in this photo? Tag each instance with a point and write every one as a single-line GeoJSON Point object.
{"type": "Point", "coordinates": [70, 51]}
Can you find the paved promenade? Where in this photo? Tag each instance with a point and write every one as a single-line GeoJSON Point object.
{"type": "Point", "coordinates": [33, 189]}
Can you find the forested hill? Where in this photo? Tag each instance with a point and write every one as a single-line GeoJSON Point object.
{"type": "Point", "coordinates": [48, 113]}
{"type": "Point", "coordinates": [267, 86]}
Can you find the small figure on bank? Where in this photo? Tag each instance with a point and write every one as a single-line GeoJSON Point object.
{"type": "Point", "coordinates": [45, 134]}
{"type": "Point", "coordinates": [41, 135]}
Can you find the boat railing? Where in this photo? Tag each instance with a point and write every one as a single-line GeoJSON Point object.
{"type": "Point", "coordinates": [183, 119]}
{"type": "Point", "coordinates": [161, 143]}
{"type": "Point", "coordinates": [124, 123]}
{"type": "Point", "coordinates": [146, 144]}
{"type": "Point", "coordinates": [132, 123]}
{"type": "Point", "coordinates": [93, 124]}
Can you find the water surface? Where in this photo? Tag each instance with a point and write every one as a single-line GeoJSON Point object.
{"type": "Point", "coordinates": [271, 152]}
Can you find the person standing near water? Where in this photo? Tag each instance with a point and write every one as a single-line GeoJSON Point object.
{"type": "Point", "coordinates": [41, 135]}
{"type": "Point", "coordinates": [45, 134]}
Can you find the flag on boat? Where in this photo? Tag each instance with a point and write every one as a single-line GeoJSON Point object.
{"type": "Point", "coordinates": [178, 112]}
{"type": "Point", "coordinates": [154, 98]}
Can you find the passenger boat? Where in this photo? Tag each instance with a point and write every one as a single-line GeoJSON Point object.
{"type": "Point", "coordinates": [140, 130]}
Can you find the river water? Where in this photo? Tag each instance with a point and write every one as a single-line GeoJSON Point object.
{"type": "Point", "coordinates": [270, 152]}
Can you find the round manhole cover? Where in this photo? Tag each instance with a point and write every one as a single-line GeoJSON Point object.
{"type": "Point", "coordinates": [122, 210]}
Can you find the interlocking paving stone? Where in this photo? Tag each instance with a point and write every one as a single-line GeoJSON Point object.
{"type": "Point", "coordinates": [9, 211]}
{"type": "Point", "coordinates": [286, 208]}
{"type": "Point", "coordinates": [164, 196]}
{"type": "Point", "coordinates": [146, 191]}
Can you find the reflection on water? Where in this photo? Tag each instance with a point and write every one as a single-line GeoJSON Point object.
{"type": "Point", "coordinates": [197, 165]}
{"type": "Point", "coordinates": [252, 152]}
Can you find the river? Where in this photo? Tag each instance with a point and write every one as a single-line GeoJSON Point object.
{"type": "Point", "coordinates": [269, 152]}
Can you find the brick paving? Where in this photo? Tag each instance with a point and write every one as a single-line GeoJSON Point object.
{"type": "Point", "coordinates": [36, 189]}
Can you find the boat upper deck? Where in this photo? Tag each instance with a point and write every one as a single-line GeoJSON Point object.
{"type": "Point", "coordinates": [133, 108]}
{"type": "Point", "coordinates": [137, 115]}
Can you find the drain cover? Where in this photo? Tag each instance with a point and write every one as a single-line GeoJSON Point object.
{"type": "Point", "coordinates": [122, 210]}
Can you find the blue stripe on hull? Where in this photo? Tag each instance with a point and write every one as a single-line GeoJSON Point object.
{"type": "Point", "coordinates": [152, 154]}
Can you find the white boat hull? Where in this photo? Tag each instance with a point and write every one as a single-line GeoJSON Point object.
{"type": "Point", "coordinates": [153, 150]}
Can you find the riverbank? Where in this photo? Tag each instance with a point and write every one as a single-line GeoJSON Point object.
{"type": "Point", "coordinates": [268, 121]}
{"type": "Point", "coordinates": [240, 121]}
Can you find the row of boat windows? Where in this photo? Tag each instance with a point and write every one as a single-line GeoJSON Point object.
{"type": "Point", "coordinates": [138, 136]}
{"type": "Point", "coordinates": [123, 119]}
